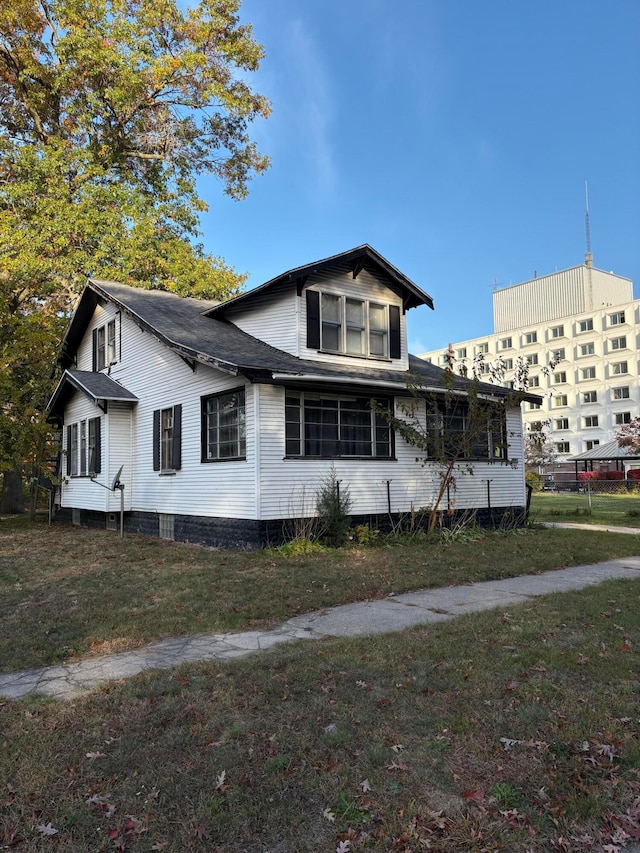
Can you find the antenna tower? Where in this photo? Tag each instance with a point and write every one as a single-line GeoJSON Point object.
{"type": "Point", "coordinates": [588, 258]}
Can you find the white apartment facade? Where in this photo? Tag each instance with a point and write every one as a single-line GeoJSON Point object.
{"type": "Point", "coordinates": [583, 322]}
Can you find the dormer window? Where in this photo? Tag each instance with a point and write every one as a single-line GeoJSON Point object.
{"type": "Point", "coordinates": [358, 327]}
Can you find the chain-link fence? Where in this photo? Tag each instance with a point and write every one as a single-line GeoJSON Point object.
{"type": "Point", "coordinates": [612, 501]}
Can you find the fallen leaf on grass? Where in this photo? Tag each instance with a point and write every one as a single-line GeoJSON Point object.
{"type": "Point", "coordinates": [329, 815]}
{"type": "Point", "coordinates": [365, 785]}
{"type": "Point", "coordinates": [473, 795]}
{"type": "Point", "coordinates": [47, 829]}
{"type": "Point", "coordinates": [93, 755]}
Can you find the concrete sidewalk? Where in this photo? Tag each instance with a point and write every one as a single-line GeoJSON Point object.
{"type": "Point", "coordinates": [382, 616]}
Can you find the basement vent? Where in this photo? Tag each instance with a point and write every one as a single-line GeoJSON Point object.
{"type": "Point", "coordinates": [75, 517]}
{"type": "Point", "coordinates": [166, 526]}
{"type": "Point", "coordinates": [112, 521]}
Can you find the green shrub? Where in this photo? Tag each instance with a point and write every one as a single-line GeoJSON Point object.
{"type": "Point", "coordinates": [332, 507]}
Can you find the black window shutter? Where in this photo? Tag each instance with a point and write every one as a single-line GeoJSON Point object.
{"type": "Point", "coordinates": [313, 319]}
{"type": "Point", "coordinates": [97, 459]}
{"type": "Point", "coordinates": [68, 451]}
{"type": "Point", "coordinates": [156, 440]}
{"type": "Point", "coordinates": [394, 331]}
{"type": "Point", "coordinates": [95, 350]}
{"type": "Point", "coordinates": [177, 438]}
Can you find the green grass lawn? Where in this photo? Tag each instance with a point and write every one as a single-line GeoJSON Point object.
{"type": "Point", "coordinates": [615, 509]}
{"type": "Point", "coordinates": [501, 731]}
{"type": "Point", "coordinates": [68, 592]}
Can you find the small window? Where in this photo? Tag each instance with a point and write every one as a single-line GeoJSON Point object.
{"type": "Point", "coordinates": [618, 343]}
{"type": "Point", "coordinates": [83, 448]}
{"type": "Point", "coordinates": [72, 450]}
{"type": "Point", "coordinates": [585, 325]}
{"type": "Point", "coordinates": [534, 406]}
{"type": "Point", "coordinates": [590, 443]}
{"type": "Point", "coordinates": [104, 346]}
{"type": "Point", "coordinates": [619, 368]}
{"type": "Point", "coordinates": [588, 373]}
{"type": "Point", "coordinates": [560, 378]}
{"type": "Point", "coordinates": [534, 382]}
{"type": "Point", "coordinates": [560, 400]}
{"type": "Point", "coordinates": [167, 439]}
{"type": "Point", "coordinates": [507, 363]}
{"type": "Point", "coordinates": [166, 526]}
{"type": "Point", "coordinates": [506, 343]}
{"type": "Point", "coordinates": [623, 418]}
{"type": "Point", "coordinates": [587, 349]}
{"type": "Point", "coordinates": [621, 393]}
{"type": "Point", "coordinates": [562, 446]}
{"type": "Point", "coordinates": [557, 332]}
{"type": "Point", "coordinates": [616, 319]}
{"type": "Point", "coordinates": [530, 337]}
{"type": "Point", "coordinates": [532, 359]}
{"type": "Point", "coordinates": [461, 353]}
{"type": "Point", "coordinates": [562, 423]}
{"type": "Point", "coordinates": [483, 348]}
{"type": "Point", "coordinates": [558, 354]}
{"type": "Point", "coordinates": [590, 397]}
{"type": "Point", "coordinates": [591, 421]}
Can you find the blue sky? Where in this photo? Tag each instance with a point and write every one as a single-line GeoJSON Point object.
{"type": "Point", "coordinates": [454, 136]}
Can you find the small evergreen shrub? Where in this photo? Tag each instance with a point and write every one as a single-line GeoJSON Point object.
{"type": "Point", "coordinates": [332, 507]}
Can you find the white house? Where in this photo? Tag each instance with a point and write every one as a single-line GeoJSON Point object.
{"type": "Point", "coordinates": [225, 417]}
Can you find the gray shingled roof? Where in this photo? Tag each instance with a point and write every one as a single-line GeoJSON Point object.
{"type": "Point", "coordinates": [179, 322]}
{"type": "Point", "coordinates": [96, 386]}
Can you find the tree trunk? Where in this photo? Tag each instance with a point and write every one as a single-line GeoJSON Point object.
{"type": "Point", "coordinates": [11, 498]}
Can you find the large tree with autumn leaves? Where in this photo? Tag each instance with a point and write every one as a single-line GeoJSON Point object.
{"type": "Point", "coordinates": [109, 112]}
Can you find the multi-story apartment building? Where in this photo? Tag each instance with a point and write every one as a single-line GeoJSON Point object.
{"type": "Point", "coordinates": [577, 330]}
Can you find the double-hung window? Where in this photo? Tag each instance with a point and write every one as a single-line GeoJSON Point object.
{"type": "Point", "coordinates": [84, 448]}
{"type": "Point", "coordinates": [167, 439]}
{"type": "Point", "coordinates": [224, 434]}
{"type": "Point", "coordinates": [328, 426]}
{"type": "Point", "coordinates": [104, 346]}
{"type": "Point", "coordinates": [351, 326]}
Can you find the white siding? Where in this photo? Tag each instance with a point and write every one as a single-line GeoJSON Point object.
{"type": "Point", "coordinates": [288, 486]}
{"type": "Point", "coordinates": [273, 318]}
{"type": "Point", "coordinates": [160, 379]}
{"type": "Point", "coordinates": [79, 491]}
{"type": "Point", "coordinates": [365, 286]}
{"type": "Point", "coordinates": [117, 446]}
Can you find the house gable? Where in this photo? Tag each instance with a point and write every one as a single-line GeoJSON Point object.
{"type": "Point", "coordinates": [343, 309]}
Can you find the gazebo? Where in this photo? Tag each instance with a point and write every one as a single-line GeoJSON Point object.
{"type": "Point", "coordinates": [610, 452]}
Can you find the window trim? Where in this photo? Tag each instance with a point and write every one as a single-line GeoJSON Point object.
{"type": "Point", "coordinates": [105, 346]}
{"type": "Point", "coordinates": [391, 333]}
{"type": "Point", "coordinates": [84, 450]}
{"type": "Point", "coordinates": [176, 440]}
{"type": "Point", "coordinates": [240, 426]}
{"type": "Point", "coordinates": [302, 440]}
